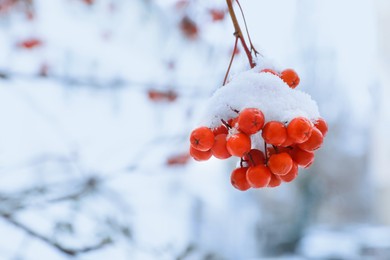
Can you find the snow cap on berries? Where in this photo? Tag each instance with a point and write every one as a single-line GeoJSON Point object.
{"type": "Point", "coordinates": [265, 91]}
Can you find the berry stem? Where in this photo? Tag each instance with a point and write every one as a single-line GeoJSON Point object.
{"type": "Point", "coordinates": [238, 33]}
{"type": "Point", "coordinates": [231, 61]}
{"type": "Point", "coordinates": [226, 124]}
{"type": "Point", "coordinates": [242, 162]}
{"type": "Point", "coordinates": [235, 110]}
{"type": "Point", "coordinates": [247, 31]}
{"type": "Point", "coordinates": [265, 152]}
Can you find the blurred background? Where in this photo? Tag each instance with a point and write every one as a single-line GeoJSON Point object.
{"type": "Point", "coordinates": [97, 100]}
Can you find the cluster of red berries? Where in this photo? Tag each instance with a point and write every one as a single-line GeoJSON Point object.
{"type": "Point", "coordinates": [286, 146]}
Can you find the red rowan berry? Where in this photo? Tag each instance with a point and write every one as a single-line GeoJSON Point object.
{"type": "Point", "coordinates": [280, 164]}
{"type": "Point", "coordinates": [314, 142]}
{"type": "Point", "coordinates": [290, 77]}
{"type": "Point", "coordinates": [258, 176]}
{"type": "Point", "coordinates": [291, 175]}
{"type": "Point", "coordinates": [301, 157]}
{"type": "Point", "coordinates": [299, 129]}
{"type": "Point", "coordinates": [202, 139]}
{"type": "Point", "coordinates": [239, 180]}
{"type": "Point", "coordinates": [238, 144]}
{"type": "Point", "coordinates": [275, 181]}
{"type": "Point", "coordinates": [200, 155]}
{"type": "Point", "coordinates": [288, 142]}
{"type": "Point", "coordinates": [274, 132]}
{"type": "Point", "coordinates": [250, 120]}
{"type": "Point", "coordinates": [322, 126]}
{"type": "Point", "coordinates": [219, 149]}
{"type": "Point", "coordinates": [254, 157]}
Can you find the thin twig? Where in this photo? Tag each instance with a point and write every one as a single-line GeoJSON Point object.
{"type": "Point", "coordinates": [247, 31]}
{"type": "Point", "coordinates": [231, 61]}
{"type": "Point", "coordinates": [238, 33]}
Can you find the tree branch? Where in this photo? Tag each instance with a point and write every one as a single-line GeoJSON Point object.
{"type": "Point", "coordinates": [56, 245]}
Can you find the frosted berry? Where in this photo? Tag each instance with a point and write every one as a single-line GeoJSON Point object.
{"type": "Point", "coordinates": [280, 164]}
{"type": "Point", "coordinates": [274, 132]}
{"type": "Point", "coordinates": [258, 176]}
{"type": "Point", "coordinates": [314, 142]}
{"type": "Point", "coordinates": [238, 144]}
{"type": "Point", "coordinates": [219, 149]}
{"type": "Point", "coordinates": [250, 120]}
{"type": "Point", "coordinates": [322, 126]}
{"type": "Point", "coordinates": [299, 129]}
{"type": "Point", "coordinates": [239, 180]}
{"type": "Point", "coordinates": [291, 175]}
{"type": "Point", "coordinates": [200, 155]}
{"type": "Point", "coordinates": [202, 139]}
{"type": "Point", "coordinates": [301, 157]}
{"type": "Point", "coordinates": [290, 77]}
{"type": "Point", "coordinates": [254, 157]}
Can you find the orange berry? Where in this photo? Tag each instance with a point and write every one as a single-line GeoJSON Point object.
{"type": "Point", "coordinates": [219, 148]}
{"type": "Point", "coordinates": [238, 179]}
{"type": "Point", "coordinates": [322, 126]}
{"type": "Point", "coordinates": [258, 176]}
{"type": "Point", "coordinates": [314, 142]}
{"type": "Point", "coordinates": [254, 157]}
{"type": "Point", "coordinates": [301, 157]}
{"type": "Point", "coordinates": [275, 181]}
{"type": "Point", "coordinates": [280, 164]}
{"type": "Point", "coordinates": [299, 129]}
{"type": "Point", "coordinates": [274, 132]}
{"type": "Point", "coordinates": [220, 130]}
{"type": "Point", "coordinates": [290, 77]}
{"type": "Point", "coordinates": [270, 71]}
{"type": "Point", "coordinates": [238, 144]}
{"type": "Point", "coordinates": [202, 139]}
{"type": "Point", "coordinates": [200, 155]}
{"type": "Point", "coordinates": [291, 175]}
{"type": "Point", "coordinates": [250, 120]}
{"type": "Point", "coordinates": [288, 142]}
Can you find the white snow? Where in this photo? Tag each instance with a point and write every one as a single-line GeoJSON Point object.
{"type": "Point", "coordinates": [265, 91]}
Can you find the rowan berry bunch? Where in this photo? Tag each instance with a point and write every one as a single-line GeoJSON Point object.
{"type": "Point", "coordinates": [285, 146]}
{"type": "Point", "coordinates": [259, 117]}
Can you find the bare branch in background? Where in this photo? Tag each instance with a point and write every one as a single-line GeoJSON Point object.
{"type": "Point", "coordinates": [54, 244]}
